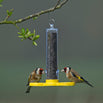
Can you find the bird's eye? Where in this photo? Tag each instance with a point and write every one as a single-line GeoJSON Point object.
{"type": "Point", "coordinates": [40, 71]}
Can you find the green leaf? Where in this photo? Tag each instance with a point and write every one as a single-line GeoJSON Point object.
{"type": "Point", "coordinates": [27, 30]}
{"type": "Point", "coordinates": [34, 18]}
{"type": "Point", "coordinates": [32, 34]}
{"type": "Point", "coordinates": [20, 36]}
{"type": "Point", "coordinates": [19, 33]}
{"type": "Point", "coordinates": [22, 39]}
{"type": "Point", "coordinates": [1, 2]}
{"type": "Point", "coordinates": [36, 37]}
{"type": "Point", "coordinates": [29, 35]}
{"type": "Point", "coordinates": [34, 31]}
{"type": "Point", "coordinates": [9, 13]}
{"type": "Point", "coordinates": [34, 43]}
{"type": "Point", "coordinates": [23, 31]}
{"type": "Point", "coordinates": [0, 5]}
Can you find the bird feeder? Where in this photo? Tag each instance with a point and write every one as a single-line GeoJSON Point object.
{"type": "Point", "coordinates": [52, 72]}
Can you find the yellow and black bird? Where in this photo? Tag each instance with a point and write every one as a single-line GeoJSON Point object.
{"type": "Point", "coordinates": [35, 76]}
{"type": "Point", "coordinates": [73, 76]}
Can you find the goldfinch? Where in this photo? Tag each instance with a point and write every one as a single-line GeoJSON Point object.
{"type": "Point", "coordinates": [73, 76]}
{"type": "Point", "coordinates": [35, 76]}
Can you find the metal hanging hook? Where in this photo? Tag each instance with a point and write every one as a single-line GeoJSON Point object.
{"type": "Point", "coordinates": [51, 23]}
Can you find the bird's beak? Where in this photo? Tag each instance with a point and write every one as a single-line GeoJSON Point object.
{"type": "Point", "coordinates": [62, 70]}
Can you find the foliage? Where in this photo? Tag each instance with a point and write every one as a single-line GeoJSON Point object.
{"type": "Point", "coordinates": [9, 12]}
{"type": "Point", "coordinates": [26, 34]}
{"type": "Point", "coordinates": [1, 3]}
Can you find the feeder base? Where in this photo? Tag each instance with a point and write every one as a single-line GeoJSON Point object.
{"type": "Point", "coordinates": [52, 82]}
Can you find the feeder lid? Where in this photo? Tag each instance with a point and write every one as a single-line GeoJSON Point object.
{"type": "Point", "coordinates": [51, 28]}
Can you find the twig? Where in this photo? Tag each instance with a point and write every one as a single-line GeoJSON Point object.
{"type": "Point", "coordinates": [58, 2]}
{"type": "Point", "coordinates": [58, 5]}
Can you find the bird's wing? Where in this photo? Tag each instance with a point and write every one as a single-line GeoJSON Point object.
{"type": "Point", "coordinates": [77, 76]}
{"type": "Point", "coordinates": [73, 74]}
{"type": "Point", "coordinates": [76, 73]}
{"type": "Point", "coordinates": [29, 79]}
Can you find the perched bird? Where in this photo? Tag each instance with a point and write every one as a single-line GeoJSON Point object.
{"type": "Point", "coordinates": [73, 76]}
{"type": "Point", "coordinates": [35, 76]}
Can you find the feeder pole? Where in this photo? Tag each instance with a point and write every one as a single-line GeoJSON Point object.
{"type": "Point", "coordinates": [51, 52]}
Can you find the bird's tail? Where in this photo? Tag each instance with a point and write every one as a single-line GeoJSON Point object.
{"type": "Point", "coordinates": [87, 82]}
{"type": "Point", "coordinates": [28, 89]}
{"type": "Point", "coordinates": [27, 84]}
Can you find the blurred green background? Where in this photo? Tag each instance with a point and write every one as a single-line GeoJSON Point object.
{"type": "Point", "coordinates": [80, 45]}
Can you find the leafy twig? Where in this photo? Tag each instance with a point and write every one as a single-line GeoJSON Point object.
{"type": "Point", "coordinates": [9, 13]}
{"type": "Point", "coordinates": [58, 5]}
{"type": "Point", "coordinates": [25, 33]}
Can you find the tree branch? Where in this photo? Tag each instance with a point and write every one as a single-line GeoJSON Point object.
{"type": "Point", "coordinates": [58, 2]}
{"type": "Point", "coordinates": [57, 6]}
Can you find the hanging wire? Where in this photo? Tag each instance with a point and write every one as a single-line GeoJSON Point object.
{"type": "Point", "coordinates": [52, 21]}
{"type": "Point", "coordinates": [51, 15]}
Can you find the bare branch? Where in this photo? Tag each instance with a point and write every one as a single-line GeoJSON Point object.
{"type": "Point", "coordinates": [57, 6]}
{"type": "Point", "coordinates": [58, 2]}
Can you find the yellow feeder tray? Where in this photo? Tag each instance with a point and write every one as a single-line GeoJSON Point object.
{"type": "Point", "coordinates": [52, 82]}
